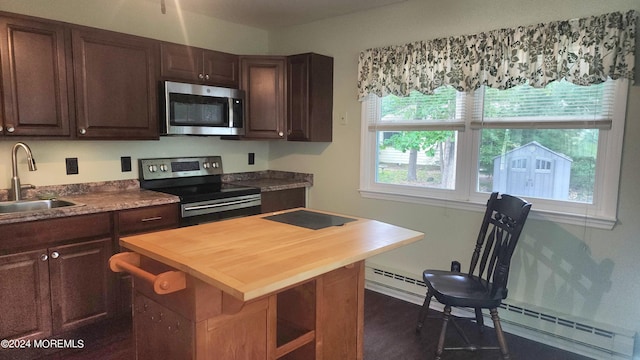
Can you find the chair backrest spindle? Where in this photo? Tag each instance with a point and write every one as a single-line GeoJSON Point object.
{"type": "Point", "coordinates": [501, 227]}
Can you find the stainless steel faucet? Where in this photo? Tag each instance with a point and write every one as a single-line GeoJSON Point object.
{"type": "Point", "coordinates": [15, 180]}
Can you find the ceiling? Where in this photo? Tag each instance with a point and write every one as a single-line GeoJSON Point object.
{"type": "Point", "coordinates": [271, 14]}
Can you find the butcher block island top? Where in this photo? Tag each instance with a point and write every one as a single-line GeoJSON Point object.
{"type": "Point", "coordinates": [253, 256]}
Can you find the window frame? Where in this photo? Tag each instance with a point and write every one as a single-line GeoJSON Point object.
{"type": "Point", "coordinates": [601, 214]}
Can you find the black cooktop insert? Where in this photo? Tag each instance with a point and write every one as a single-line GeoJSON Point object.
{"type": "Point", "coordinates": [309, 219]}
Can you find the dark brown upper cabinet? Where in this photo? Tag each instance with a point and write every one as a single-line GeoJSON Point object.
{"type": "Point", "coordinates": [194, 65]}
{"type": "Point", "coordinates": [309, 97]}
{"type": "Point", "coordinates": [263, 80]}
{"type": "Point", "coordinates": [115, 85]}
{"type": "Point", "coordinates": [37, 79]}
{"type": "Point", "coordinates": [288, 97]}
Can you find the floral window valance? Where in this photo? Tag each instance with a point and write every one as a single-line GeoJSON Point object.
{"type": "Point", "coordinates": [583, 51]}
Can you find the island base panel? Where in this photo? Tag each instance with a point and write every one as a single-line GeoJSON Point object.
{"type": "Point", "coordinates": [321, 318]}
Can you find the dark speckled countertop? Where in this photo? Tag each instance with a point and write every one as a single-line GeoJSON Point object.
{"type": "Point", "coordinates": [270, 180]}
{"type": "Point", "coordinates": [126, 194]}
{"type": "Point", "coordinates": [90, 197]}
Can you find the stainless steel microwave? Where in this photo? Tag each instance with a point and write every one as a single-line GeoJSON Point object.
{"type": "Point", "coordinates": [192, 109]}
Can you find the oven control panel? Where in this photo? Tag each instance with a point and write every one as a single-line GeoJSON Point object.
{"type": "Point", "coordinates": [167, 168]}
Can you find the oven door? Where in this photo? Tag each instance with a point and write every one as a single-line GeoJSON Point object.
{"type": "Point", "coordinates": [220, 209]}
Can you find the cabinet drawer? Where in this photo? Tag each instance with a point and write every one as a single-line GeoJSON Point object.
{"type": "Point", "coordinates": [148, 218]}
{"type": "Point", "coordinates": [46, 232]}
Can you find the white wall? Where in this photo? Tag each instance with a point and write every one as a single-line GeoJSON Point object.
{"type": "Point", "coordinates": [100, 160]}
{"type": "Point", "coordinates": [574, 270]}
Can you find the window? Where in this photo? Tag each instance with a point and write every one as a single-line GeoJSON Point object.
{"type": "Point", "coordinates": [558, 146]}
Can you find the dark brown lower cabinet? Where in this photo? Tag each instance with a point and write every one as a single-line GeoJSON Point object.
{"type": "Point", "coordinates": [137, 221]}
{"type": "Point", "coordinates": [53, 290]}
{"type": "Point", "coordinates": [26, 301]}
{"type": "Point", "coordinates": [54, 275]}
{"type": "Point", "coordinates": [283, 199]}
{"type": "Point", "coordinates": [81, 284]}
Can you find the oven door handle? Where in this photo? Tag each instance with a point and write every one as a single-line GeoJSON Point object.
{"type": "Point", "coordinates": [211, 206]}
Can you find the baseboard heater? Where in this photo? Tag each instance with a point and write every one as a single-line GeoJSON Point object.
{"type": "Point", "coordinates": [558, 330]}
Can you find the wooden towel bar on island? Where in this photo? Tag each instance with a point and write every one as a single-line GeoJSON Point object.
{"type": "Point", "coordinates": [164, 283]}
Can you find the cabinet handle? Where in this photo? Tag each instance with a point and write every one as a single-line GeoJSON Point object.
{"type": "Point", "coordinates": [83, 131]}
{"type": "Point", "coordinates": [10, 128]}
{"type": "Point", "coordinates": [44, 257]}
{"type": "Point", "coordinates": [206, 77]}
{"type": "Point", "coordinates": [1, 128]}
{"type": "Point", "coordinates": [200, 76]}
{"type": "Point", "coordinates": [155, 218]}
{"type": "Point", "coordinates": [55, 255]}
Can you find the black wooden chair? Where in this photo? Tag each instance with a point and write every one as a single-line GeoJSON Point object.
{"type": "Point", "coordinates": [485, 284]}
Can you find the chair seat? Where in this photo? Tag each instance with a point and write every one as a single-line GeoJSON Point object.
{"type": "Point", "coordinates": [461, 290]}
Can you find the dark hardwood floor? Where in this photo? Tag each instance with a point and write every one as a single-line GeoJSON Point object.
{"type": "Point", "coordinates": [389, 334]}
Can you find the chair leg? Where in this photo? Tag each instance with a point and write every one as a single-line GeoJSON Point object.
{"type": "Point", "coordinates": [423, 312]}
{"type": "Point", "coordinates": [480, 319]}
{"type": "Point", "coordinates": [443, 332]}
{"type": "Point", "coordinates": [499, 334]}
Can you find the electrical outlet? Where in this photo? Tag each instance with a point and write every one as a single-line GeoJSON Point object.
{"type": "Point", "coordinates": [343, 119]}
{"type": "Point", "coordinates": [72, 166]}
{"type": "Point", "coordinates": [252, 158]}
{"type": "Point", "coordinates": [125, 163]}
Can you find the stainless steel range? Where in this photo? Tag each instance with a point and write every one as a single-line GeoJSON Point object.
{"type": "Point", "coordinates": [198, 183]}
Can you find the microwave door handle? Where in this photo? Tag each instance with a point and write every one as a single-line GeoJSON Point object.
{"type": "Point", "coordinates": [231, 114]}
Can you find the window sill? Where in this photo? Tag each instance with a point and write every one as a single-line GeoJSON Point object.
{"type": "Point", "coordinates": [597, 222]}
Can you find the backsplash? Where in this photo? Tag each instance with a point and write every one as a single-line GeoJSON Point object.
{"type": "Point", "coordinates": [55, 191]}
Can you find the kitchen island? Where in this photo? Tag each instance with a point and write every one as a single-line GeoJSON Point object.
{"type": "Point", "coordinates": [287, 285]}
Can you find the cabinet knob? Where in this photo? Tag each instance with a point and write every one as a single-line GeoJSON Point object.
{"type": "Point", "coordinates": [10, 128]}
{"type": "Point", "coordinates": [44, 257]}
{"type": "Point", "coordinates": [55, 255]}
{"type": "Point", "coordinates": [281, 134]}
{"type": "Point", "coordinates": [83, 131]}
{"type": "Point", "coordinates": [200, 76]}
{"type": "Point", "coordinates": [1, 129]}
{"type": "Point", "coordinates": [206, 77]}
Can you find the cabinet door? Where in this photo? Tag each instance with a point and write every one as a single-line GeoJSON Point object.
{"type": "Point", "coordinates": [221, 69]}
{"type": "Point", "coordinates": [35, 81]}
{"type": "Point", "coordinates": [262, 78]}
{"type": "Point", "coordinates": [115, 82]}
{"type": "Point", "coordinates": [181, 62]}
{"type": "Point", "coordinates": [25, 304]}
{"type": "Point", "coordinates": [310, 97]}
{"type": "Point", "coordinates": [82, 285]}
{"type": "Point", "coordinates": [283, 199]}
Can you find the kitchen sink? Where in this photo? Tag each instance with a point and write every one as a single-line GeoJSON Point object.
{"type": "Point", "coordinates": [10, 207]}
